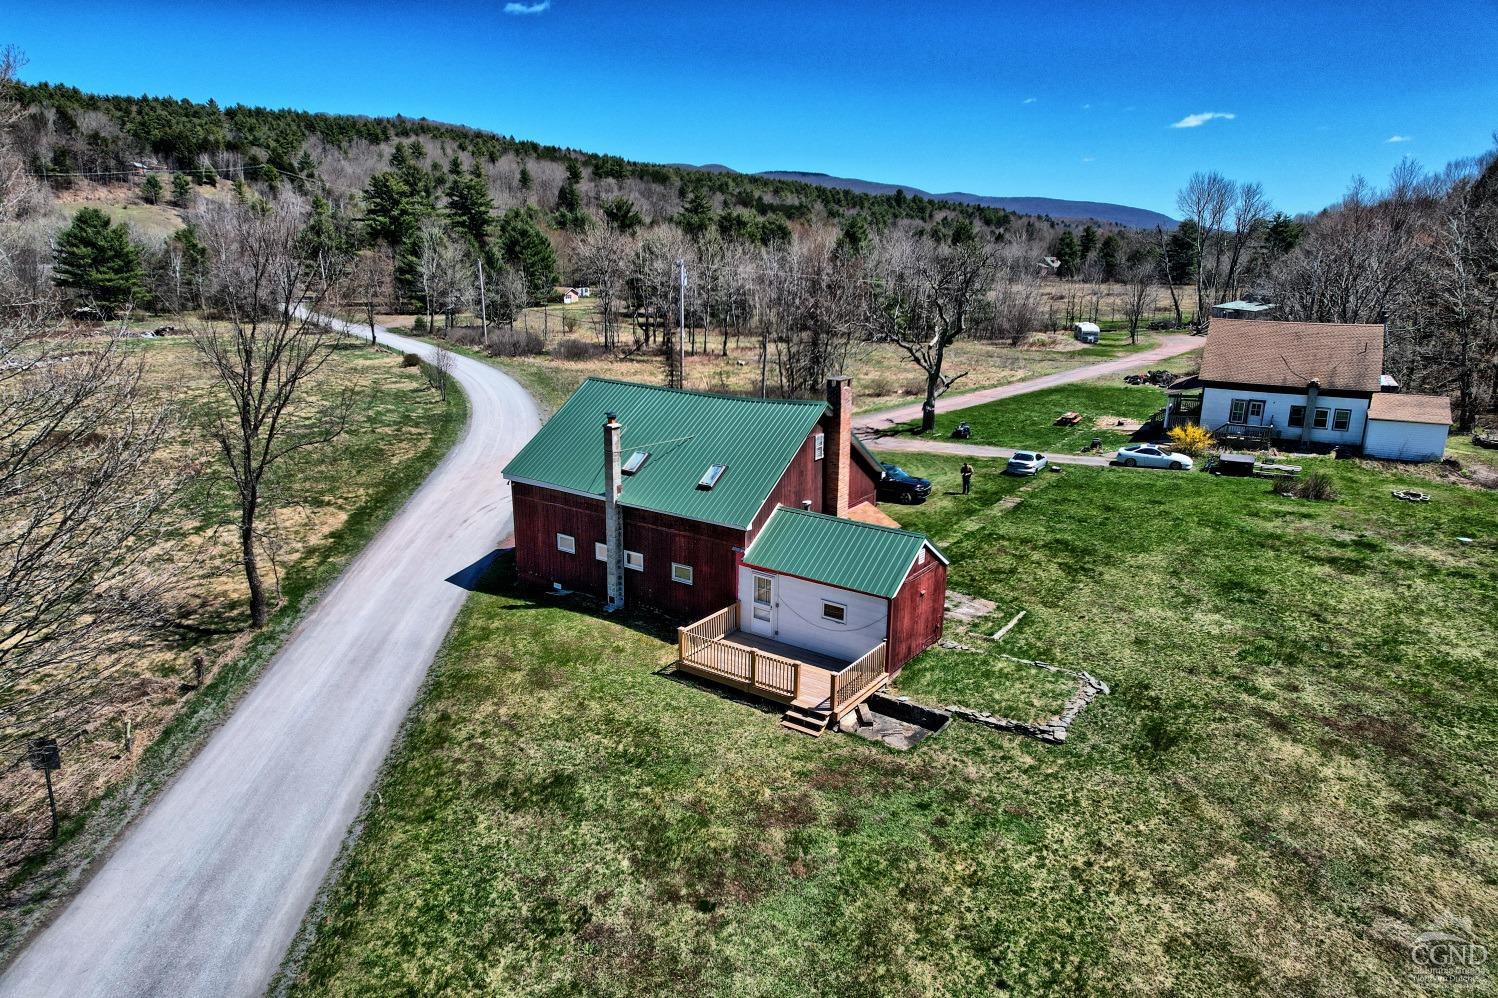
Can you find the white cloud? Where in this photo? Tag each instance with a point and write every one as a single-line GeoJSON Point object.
{"type": "Point", "coordinates": [1028, 100]}
{"type": "Point", "coordinates": [1399, 138]}
{"type": "Point", "coordinates": [1197, 120]}
{"type": "Point", "coordinates": [1088, 159]}
{"type": "Point", "coordinates": [528, 8]}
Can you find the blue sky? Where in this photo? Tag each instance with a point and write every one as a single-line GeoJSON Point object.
{"type": "Point", "coordinates": [1056, 99]}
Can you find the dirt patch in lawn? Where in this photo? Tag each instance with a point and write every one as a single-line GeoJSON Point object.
{"type": "Point", "coordinates": [1117, 424]}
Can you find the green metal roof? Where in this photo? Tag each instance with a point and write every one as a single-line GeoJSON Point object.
{"type": "Point", "coordinates": [839, 552]}
{"type": "Point", "coordinates": [685, 433]}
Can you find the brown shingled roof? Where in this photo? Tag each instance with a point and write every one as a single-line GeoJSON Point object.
{"type": "Point", "coordinates": [1411, 408]}
{"type": "Point", "coordinates": [1265, 352]}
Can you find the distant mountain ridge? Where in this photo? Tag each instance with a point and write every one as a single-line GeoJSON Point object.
{"type": "Point", "coordinates": [1061, 208]}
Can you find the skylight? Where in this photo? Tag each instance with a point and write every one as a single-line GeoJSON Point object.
{"type": "Point", "coordinates": [711, 477]}
{"type": "Point", "coordinates": [636, 462]}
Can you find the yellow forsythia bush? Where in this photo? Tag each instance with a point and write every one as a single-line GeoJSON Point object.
{"type": "Point", "coordinates": [1191, 439]}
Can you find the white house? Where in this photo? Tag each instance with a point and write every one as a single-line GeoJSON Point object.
{"type": "Point", "coordinates": [1316, 384]}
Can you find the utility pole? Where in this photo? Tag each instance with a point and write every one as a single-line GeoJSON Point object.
{"type": "Point", "coordinates": [681, 328]}
{"type": "Point", "coordinates": [483, 300]}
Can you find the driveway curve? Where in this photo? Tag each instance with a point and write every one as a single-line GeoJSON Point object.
{"type": "Point", "coordinates": [204, 892]}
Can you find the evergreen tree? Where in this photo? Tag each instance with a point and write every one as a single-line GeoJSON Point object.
{"type": "Point", "coordinates": [97, 261]}
{"type": "Point", "coordinates": [1089, 241]}
{"type": "Point", "coordinates": [181, 190]}
{"type": "Point", "coordinates": [1069, 253]}
{"type": "Point", "coordinates": [574, 172]}
{"type": "Point", "coordinates": [854, 238]}
{"type": "Point", "coordinates": [1283, 234]}
{"type": "Point", "coordinates": [621, 215]}
{"type": "Point", "coordinates": [150, 189]}
{"type": "Point", "coordinates": [1181, 250]}
{"type": "Point", "coordinates": [570, 216]}
{"type": "Point", "coordinates": [526, 248]}
{"type": "Point", "coordinates": [1109, 255]}
{"type": "Point", "coordinates": [470, 209]}
{"type": "Point", "coordinates": [696, 214]}
{"type": "Point", "coordinates": [206, 175]}
{"type": "Point", "coordinates": [524, 178]}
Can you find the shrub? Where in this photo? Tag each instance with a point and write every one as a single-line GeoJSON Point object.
{"type": "Point", "coordinates": [410, 360]}
{"type": "Point", "coordinates": [515, 343]}
{"type": "Point", "coordinates": [1191, 439]}
{"type": "Point", "coordinates": [420, 325]}
{"type": "Point", "coordinates": [576, 349]}
{"type": "Point", "coordinates": [1317, 485]}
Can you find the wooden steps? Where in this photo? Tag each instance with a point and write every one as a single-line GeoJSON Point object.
{"type": "Point", "coordinates": [806, 720]}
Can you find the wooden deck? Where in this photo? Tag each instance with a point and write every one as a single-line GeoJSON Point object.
{"type": "Point", "coordinates": [814, 685]}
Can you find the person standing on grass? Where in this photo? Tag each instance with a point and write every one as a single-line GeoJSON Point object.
{"type": "Point", "coordinates": [967, 478]}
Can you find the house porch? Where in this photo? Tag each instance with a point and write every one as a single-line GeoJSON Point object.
{"type": "Point", "coordinates": [818, 689]}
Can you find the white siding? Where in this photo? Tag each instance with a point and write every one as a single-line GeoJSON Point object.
{"type": "Point", "coordinates": [798, 615]}
{"type": "Point", "coordinates": [1397, 441]}
{"type": "Point", "coordinates": [1217, 407]}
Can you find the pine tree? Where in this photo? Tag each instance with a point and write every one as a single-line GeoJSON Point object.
{"type": "Point", "coordinates": [621, 215]}
{"type": "Point", "coordinates": [526, 248]}
{"type": "Point", "coordinates": [181, 190]}
{"type": "Point", "coordinates": [696, 214]}
{"type": "Point", "coordinates": [1283, 234]}
{"type": "Point", "coordinates": [854, 238]}
{"type": "Point", "coordinates": [524, 178]}
{"type": "Point", "coordinates": [470, 209]}
{"type": "Point", "coordinates": [1069, 253]}
{"type": "Point", "coordinates": [1109, 255]}
{"type": "Point", "coordinates": [97, 260]}
{"type": "Point", "coordinates": [150, 189]}
{"type": "Point", "coordinates": [1089, 241]}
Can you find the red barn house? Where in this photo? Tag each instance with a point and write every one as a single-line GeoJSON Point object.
{"type": "Point", "coordinates": [726, 510]}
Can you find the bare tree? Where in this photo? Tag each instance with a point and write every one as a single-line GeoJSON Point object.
{"type": "Point", "coordinates": [933, 293]}
{"type": "Point", "coordinates": [80, 490]}
{"type": "Point", "coordinates": [1141, 297]}
{"type": "Point", "coordinates": [264, 353]}
{"type": "Point", "coordinates": [1205, 201]}
{"type": "Point", "coordinates": [439, 371]}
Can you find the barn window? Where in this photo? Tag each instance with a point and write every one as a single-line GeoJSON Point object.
{"type": "Point", "coordinates": [711, 476]}
{"type": "Point", "coordinates": [565, 542]}
{"type": "Point", "coordinates": [600, 551]}
{"type": "Point", "coordinates": [681, 573]}
{"type": "Point", "coordinates": [821, 439]}
{"type": "Point", "coordinates": [636, 462]}
{"type": "Point", "coordinates": [836, 612]}
{"type": "Point", "coordinates": [634, 560]}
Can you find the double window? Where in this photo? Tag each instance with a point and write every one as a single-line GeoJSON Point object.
{"type": "Point", "coordinates": [1246, 411]}
{"type": "Point", "coordinates": [566, 543]}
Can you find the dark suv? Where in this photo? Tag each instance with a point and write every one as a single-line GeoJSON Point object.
{"type": "Point", "coordinates": [897, 486]}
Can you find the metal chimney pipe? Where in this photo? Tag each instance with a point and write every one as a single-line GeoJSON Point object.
{"type": "Point", "coordinates": [613, 526]}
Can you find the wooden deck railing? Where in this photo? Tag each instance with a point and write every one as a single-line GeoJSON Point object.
{"type": "Point", "coordinates": [858, 678]}
{"type": "Point", "coordinates": [702, 648]}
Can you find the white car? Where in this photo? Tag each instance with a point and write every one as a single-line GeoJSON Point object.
{"type": "Point", "coordinates": [1150, 456]}
{"type": "Point", "coordinates": [1025, 462]}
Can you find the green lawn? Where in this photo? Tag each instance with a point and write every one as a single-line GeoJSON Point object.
{"type": "Point", "coordinates": [1029, 420]}
{"type": "Point", "coordinates": [1292, 777]}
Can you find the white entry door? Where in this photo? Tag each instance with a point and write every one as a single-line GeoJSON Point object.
{"type": "Point", "coordinates": [762, 606]}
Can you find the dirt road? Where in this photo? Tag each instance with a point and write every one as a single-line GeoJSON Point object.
{"type": "Point", "coordinates": [204, 892]}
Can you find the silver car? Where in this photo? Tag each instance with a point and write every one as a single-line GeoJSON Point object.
{"type": "Point", "coordinates": [1025, 462]}
{"type": "Point", "coordinates": [1150, 456]}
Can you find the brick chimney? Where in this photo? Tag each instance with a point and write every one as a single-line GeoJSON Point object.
{"type": "Point", "coordinates": [838, 451]}
{"type": "Point", "coordinates": [613, 526]}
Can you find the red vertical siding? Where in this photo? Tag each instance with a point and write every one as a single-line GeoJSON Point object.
{"type": "Point", "coordinates": [802, 480]}
{"type": "Point", "coordinates": [541, 513]}
{"type": "Point", "coordinates": [862, 480]}
{"type": "Point", "coordinates": [917, 611]}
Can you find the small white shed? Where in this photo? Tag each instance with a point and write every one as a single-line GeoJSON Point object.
{"type": "Point", "coordinates": [1407, 427]}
